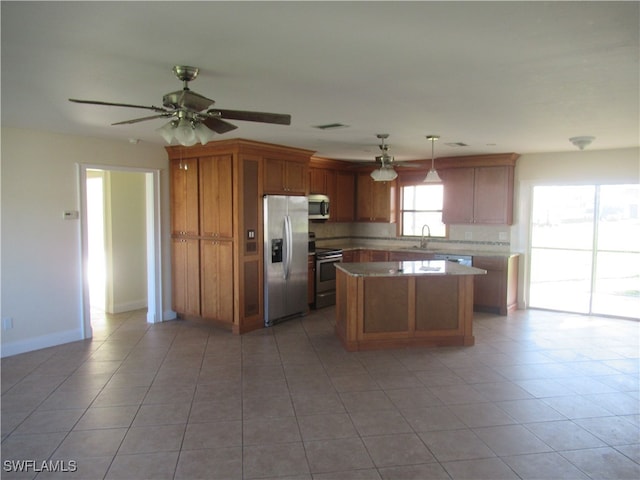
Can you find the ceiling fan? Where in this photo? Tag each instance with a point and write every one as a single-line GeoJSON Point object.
{"type": "Point", "coordinates": [386, 162]}
{"type": "Point", "coordinates": [192, 118]}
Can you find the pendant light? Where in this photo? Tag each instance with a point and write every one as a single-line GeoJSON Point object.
{"type": "Point", "coordinates": [432, 175]}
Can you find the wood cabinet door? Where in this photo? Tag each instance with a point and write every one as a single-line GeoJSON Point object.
{"type": "Point", "coordinates": [343, 208]}
{"type": "Point", "coordinates": [184, 197]}
{"type": "Point", "coordinates": [285, 177]}
{"type": "Point", "coordinates": [493, 195]}
{"type": "Point", "coordinates": [296, 178]}
{"type": "Point", "coordinates": [378, 256]}
{"type": "Point", "coordinates": [489, 290]}
{"type": "Point", "coordinates": [185, 274]}
{"type": "Point", "coordinates": [317, 180]}
{"type": "Point", "coordinates": [274, 176]}
{"type": "Point", "coordinates": [216, 264]}
{"type": "Point", "coordinates": [364, 207]}
{"type": "Point", "coordinates": [216, 196]}
{"type": "Point", "coordinates": [458, 195]}
{"type": "Point", "coordinates": [381, 199]}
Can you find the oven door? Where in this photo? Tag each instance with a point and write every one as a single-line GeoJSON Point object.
{"type": "Point", "coordinates": [326, 281]}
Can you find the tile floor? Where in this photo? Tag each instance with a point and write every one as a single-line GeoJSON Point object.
{"type": "Point", "coordinates": [541, 395]}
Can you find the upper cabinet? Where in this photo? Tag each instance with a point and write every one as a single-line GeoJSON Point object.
{"type": "Point", "coordinates": [184, 197]}
{"type": "Point", "coordinates": [216, 196]}
{"type": "Point", "coordinates": [375, 200]}
{"type": "Point", "coordinates": [287, 177]}
{"type": "Point", "coordinates": [333, 178]}
{"type": "Point", "coordinates": [478, 189]}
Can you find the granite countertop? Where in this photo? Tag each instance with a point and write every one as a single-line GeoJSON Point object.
{"type": "Point", "coordinates": [407, 269]}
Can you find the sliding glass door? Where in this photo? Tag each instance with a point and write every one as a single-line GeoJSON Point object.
{"type": "Point", "coordinates": [585, 249]}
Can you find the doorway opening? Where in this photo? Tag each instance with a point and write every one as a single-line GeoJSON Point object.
{"type": "Point", "coordinates": [585, 255]}
{"type": "Point", "coordinates": [120, 243]}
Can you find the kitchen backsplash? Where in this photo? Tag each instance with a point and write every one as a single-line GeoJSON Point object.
{"type": "Point", "coordinates": [461, 237]}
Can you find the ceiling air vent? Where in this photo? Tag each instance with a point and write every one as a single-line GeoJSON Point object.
{"type": "Point", "coordinates": [456, 144]}
{"type": "Point", "coordinates": [331, 126]}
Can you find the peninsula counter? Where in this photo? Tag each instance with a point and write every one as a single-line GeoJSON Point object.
{"type": "Point", "coordinates": [397, 304]}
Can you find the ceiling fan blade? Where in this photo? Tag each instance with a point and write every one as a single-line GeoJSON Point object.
{"type": "Point", "coordinates": [406, 164]}
{"type": "Point", "coordinates": [111, 104]}
{"type": "Point", "coordinates": [218, 125]}
{"type": "Point", "coordinates": [136, 120]}
{"type": "Point", "coordinates": [264, 117]}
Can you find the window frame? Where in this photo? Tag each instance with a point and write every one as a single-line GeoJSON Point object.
{"type": "Point", "coordinates": [409, 180]}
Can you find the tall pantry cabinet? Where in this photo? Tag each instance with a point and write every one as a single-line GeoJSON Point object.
{"type": "Point", "coordinates": [216, 224]}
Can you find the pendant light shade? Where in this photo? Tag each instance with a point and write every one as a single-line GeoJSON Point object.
{"type": "Point", "coordinates": [384, 174]}
{"type": "Point", "coordinates": [186, 132]}
{"type": "Point", "coordinates": [432, 175]}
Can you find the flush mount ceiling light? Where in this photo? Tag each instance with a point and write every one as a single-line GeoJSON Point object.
{"type": "Point", "coordinates": [582, 141]}
{"type": "Point", "coordinates": [432, 175]}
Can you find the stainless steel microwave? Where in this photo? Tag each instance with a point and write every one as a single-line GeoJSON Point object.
{"type": "Point", "coordinates": [318, 207]}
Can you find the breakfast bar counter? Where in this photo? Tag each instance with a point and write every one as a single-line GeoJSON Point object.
{"type": "Point", "coordinates": [398, 304]}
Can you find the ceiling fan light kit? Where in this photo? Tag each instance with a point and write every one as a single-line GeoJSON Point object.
{"type": "Point", "coordinates": [432, 175]}
{"type": "Point", "coordinates": [192, 118]}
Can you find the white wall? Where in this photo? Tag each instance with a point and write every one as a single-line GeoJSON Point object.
{"type": "Point", "coordinates": [40, 257]}
{"type": "Point", "coordinates": [126, 241]}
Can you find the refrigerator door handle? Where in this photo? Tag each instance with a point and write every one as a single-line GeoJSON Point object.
{"type": "Point", "coordinates": [288, 241]}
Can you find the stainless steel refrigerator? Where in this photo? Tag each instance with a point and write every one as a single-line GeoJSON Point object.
{"type": "Point", "coordinates": [286, 246]}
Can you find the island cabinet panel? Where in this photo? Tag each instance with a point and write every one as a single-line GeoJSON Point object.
{"type": "Point", "coordinates": [375, 200]}
{"type": "Point", "coordinates": [384, 313]}
{"type": "Point", "coordinates": [286, 177]}
{"type": "Point", "coordinates": [379, 311]}
{"type": "Point", "coordinates": [437, 305]}
{"type": "Point", "coordinates": [185, 218]}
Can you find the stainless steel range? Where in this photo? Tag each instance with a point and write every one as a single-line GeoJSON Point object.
{"type": "Point", "coordinates": [325, 290]}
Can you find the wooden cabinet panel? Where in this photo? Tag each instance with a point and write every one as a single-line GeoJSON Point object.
{"type": "Point", "coordinates": [496, 291]}
{"type": "Point", "coordinates": [185, 274]}
{"type": "Point", "coordinates": [343, 209]}
{"type": "Point", "coordinates": [216, 198]}
{"type": "Point", "coordinates": [493, 195]}
{"type": "Point", "coordinates": [184, 196]}
{"type": "Point", "coordinates": [350, 256]}
{"type": "Point", "coordinates": [285, 177]}
{"type": "Point", "coordinates": [378, 255]}
{"type": "Point", "coordinates": [458, 195]}
{"type": "Point", "coordinates": [375, 200]}
{"type": "Point", "coordinates": [482, 195]}
{"type": "Point", "coordinates": [216, 274]}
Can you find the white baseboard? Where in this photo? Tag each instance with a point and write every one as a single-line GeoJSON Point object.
{"type": "Point", "coordinates": [129, 306]}
{"type": "Point", "coordinates": [51, 340]}
{"type": "Point", "coordinates": [169, 315]}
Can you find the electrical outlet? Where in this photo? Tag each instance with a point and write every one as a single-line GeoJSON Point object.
{"type": "Point", "coordinates": [7, 323]}
{"type": "Point", "coordinates": [468, 236]}
{"type": "Point", "coordinates": [503, 237]}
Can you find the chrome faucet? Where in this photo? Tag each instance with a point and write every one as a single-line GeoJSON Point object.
{"type": "Point", "coordinates": [423, 240]}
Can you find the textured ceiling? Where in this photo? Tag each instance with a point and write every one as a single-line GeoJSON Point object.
{"type": "Point", "coordinates": [498, 76]}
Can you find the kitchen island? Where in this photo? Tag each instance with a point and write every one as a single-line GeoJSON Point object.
{"type": "Point", "coordinates": [410, 303]}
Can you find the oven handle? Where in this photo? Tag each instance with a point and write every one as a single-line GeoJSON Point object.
{"type": "Point", "coordinates": [329, 257]}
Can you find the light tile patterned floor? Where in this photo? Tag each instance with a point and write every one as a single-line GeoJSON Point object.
{"type": "Point", "coordinates": [541, 395]}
